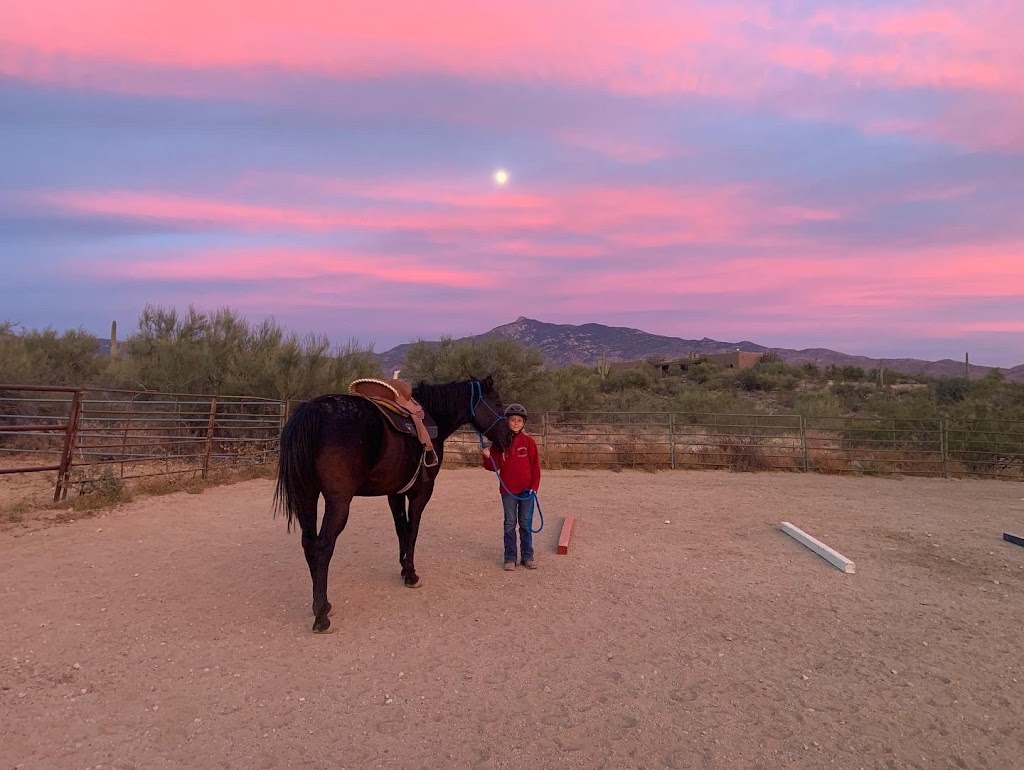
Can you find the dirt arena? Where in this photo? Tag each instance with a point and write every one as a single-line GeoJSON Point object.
{"type": "Point", "coordinates": [683, 630]}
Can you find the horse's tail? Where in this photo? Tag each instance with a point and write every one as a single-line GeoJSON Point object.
{"type": "Point", "coordinates": [296, 468]}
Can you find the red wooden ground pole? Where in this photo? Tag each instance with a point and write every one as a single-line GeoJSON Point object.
{"type": "Point", "coordinates": [563, 538]}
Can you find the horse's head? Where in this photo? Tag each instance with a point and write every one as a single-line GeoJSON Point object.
{"type": "Point", "coordinates": [487, 413]}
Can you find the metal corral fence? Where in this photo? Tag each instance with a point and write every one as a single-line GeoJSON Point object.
{"type": "Point", "coordinates": [869, 445]}
{"type": "Point", "coordinates": [87, 435]}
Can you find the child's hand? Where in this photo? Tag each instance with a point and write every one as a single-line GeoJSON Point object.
{"type": "Point", "coordinates": [487, 451]}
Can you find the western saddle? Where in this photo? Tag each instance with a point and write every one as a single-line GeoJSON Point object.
{"type": "Point", "coordinates": [394, 400]}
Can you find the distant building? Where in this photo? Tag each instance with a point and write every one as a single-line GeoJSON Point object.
{"type": "Point", "coordinates": [734, 359]}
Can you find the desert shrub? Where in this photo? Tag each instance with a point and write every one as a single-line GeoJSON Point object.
{"type": "Point", "coordinates": [774, 377]}
{"type": "Point", "coordinates": [752, 379]}
{"type": "Point", "coordinates": [950, 390]}
{"type": "Point", "coordinates": [698, 400]}
{"type": "Point", "coordinates": [703, 373]}
{"type": "Point", "coordinates": [566, 389]}
{"type": "Point", "coordinates": [224, 354]}
{"type": "Point", "coordinates": [634, 378]}
{"type": "Point", "coordinates": [853, 397]}
{"type": "Point", "coordinates": [97, 487]}
{"type": "Point", "coordinates": [48, 358]}
{"type": "Point", "coordinates": [851, 374]}
{"type": "Point", "coordinates": [746, 454]}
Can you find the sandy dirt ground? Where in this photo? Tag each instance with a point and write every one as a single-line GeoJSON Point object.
{"type": "Point", "coordinates": [683, 630]}
{"type": "Point", "coordinates": [25, 488]}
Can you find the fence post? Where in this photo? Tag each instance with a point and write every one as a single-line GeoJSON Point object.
{"type": "Point", "coordinates": [124, 434]}
{"type": "Point", "coordinates": [944, 446]}
{"type": "Point", "coordinates": [70, 436]}
{"type": "Point", "coordinates": [672, 440]}
{"type": "Point", "coordinates": [803, 444]}
{"type": "Point", "coordinates": [544, 430]}
{"type": "Point", "coordinates": [211, 427]}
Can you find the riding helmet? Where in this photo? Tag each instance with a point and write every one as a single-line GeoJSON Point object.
{"type": "Point", "coordinates": [518, 409]}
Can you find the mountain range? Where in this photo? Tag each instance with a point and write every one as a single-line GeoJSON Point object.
{"type": "Point", "coordinates": [565, 344]}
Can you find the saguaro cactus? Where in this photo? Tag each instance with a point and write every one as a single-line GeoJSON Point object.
{"type": "Point", "coordinates": [113, 339]}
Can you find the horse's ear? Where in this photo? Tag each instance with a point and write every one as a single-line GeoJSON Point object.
{"type": "Point", "coordinates": [488, 382]}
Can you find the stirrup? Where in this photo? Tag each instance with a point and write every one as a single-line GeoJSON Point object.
{"type": "Point", "coordinates": [427, 452]}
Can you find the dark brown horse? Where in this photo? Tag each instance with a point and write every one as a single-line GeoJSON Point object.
{"type": "Point", "coordinates": [340, 447]}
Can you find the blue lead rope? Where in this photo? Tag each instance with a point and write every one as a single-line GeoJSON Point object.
{"type": "Point", "coordinates": [477, 398]}
{"type": "Point", "coordinates": [525, 496]}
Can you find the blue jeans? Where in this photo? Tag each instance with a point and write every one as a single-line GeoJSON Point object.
{"type": "Point", "coordinates": [518, 512]}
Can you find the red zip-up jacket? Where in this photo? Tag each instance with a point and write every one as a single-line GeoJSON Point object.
{"type": "Point", "coordinates": [519, 465]}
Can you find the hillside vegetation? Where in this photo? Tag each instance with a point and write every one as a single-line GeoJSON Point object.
{"type": "Point", "coordinates": [221, 353]}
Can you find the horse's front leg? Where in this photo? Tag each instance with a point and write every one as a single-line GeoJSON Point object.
{"type": "Point", "coordinates": [417, 502]}
{"type": "Point", "coordinates": [336, 511]}
{"type": "Point", "coordinates": [398, 512]}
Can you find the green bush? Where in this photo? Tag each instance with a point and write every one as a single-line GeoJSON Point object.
{"type": "Point", "coordinates": [47, 358]}
{"type": "Point", "coordinates": [950, 390]}
{"type": "Point", "coordinates": [642, 377]}
{"type": "Point", "coordinates": [704, 373]}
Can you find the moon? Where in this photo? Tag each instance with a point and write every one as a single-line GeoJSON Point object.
{"type": "Point", "coordinates": [501, 177]}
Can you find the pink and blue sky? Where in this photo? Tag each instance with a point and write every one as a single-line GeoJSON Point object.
{"type": "Point", "coordinates": [799, 173]}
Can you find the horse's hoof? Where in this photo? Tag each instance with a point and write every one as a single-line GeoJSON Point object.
{"type": "Point", "coordinates": [415, 584]}
{"type": "Point", "coordinates": [321, 625]}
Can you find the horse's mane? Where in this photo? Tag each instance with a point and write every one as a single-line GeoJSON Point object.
{"type": "Point", "coordinates": [450, 398]}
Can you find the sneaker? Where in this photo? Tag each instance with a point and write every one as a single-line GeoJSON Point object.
{"type": "Point", "coordinates": [509, 566]}
{"type": "Point", "coordinates": [531, 564]}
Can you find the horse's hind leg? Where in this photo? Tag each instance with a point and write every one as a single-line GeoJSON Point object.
{"type": "Point", "coordinates": [307, 523]}
{"type": "Point", "coordinates": [309, 543]}
{"type": "Point", "coordinates": [336, 511]}
{"type": "Point", "coordinates": [417, 502]}
{"type": "Point", "coordinates": [306, 515]}
{"type": "Point", "coordinates": [398, 512]}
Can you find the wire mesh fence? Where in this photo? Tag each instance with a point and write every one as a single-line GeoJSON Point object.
{"type": "Point", "coordinates": [82, 435]}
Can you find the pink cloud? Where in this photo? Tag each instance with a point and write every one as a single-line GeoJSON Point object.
{"type": "Point", "coordinates": [950, 42]}
{"type": "Point", "coordinates": [319, 268]}
{"type": "Point", "coordinates": [627, 216]}
{"type": "Point", "coordinates": [524, 40]}
{"type": "Point", "coordinates": [805, 58]}
{"type": "Point", "coordinates": [459, 193]}
{"type": "Point", "coordinates": [176, 208]}
{"type": "Point", "coordinates": [998, 327]}
{"type": "Point", "coordinates": [247, 217]}
{"type": "Point", "coordinates": [808, 284]}
{"type": "Point", "coordinates": [637, 48]}
{"type": "Point", "coordinates": [736, 51]}
{"type": "Point", "coordinates": [538, 231]}
{"type": "Point", "coordinates": [616, 148]}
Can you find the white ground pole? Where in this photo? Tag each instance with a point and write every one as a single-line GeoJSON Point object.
{"type": "Point", "coordinates": [826, 553]}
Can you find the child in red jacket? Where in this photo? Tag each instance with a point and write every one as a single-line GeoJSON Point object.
{"type": "Point", "coordinates": [518, 469]}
